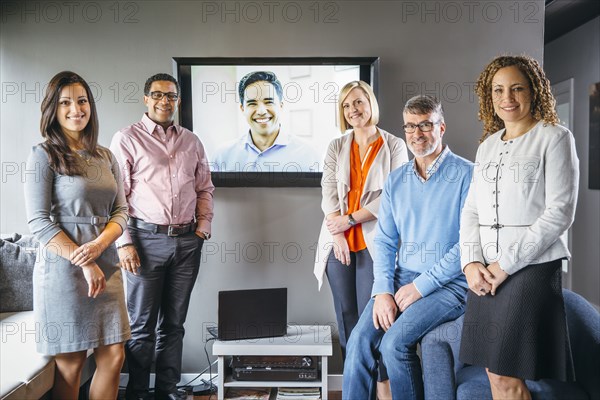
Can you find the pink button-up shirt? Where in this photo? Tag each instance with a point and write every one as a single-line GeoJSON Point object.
{"type": "Point", "coordinates": [166, 176]}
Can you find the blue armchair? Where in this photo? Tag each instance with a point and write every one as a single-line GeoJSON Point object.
{"type": "Point", "coordinates": [446, 378]}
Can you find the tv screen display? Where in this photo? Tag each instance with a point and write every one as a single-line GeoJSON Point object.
{"type": "Point", "coordinates": [266, 121]}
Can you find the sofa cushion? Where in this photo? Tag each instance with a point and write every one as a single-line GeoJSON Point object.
{"type": "Point", "coordinates": [26, 374]}
{"type": "Point", "coordinates": [17, 258]}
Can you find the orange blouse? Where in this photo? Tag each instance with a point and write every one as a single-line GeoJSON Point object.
{"type": "Point", "coordinates": [358, 175]}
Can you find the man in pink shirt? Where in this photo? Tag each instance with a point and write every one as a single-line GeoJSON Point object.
{"type": "Point", "coordinates": [170, 196]}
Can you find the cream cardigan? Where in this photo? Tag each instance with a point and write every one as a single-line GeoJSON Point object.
{"type": "Point", "coordinates": [336, 185]}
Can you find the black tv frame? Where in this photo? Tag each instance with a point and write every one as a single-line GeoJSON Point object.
{"type": "Point", "coordinates": [182, 66]}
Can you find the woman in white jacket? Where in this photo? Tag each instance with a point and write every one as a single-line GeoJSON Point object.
{"type": "Point", "coordinates": [520, 203]}
{"type": "Point", "coordinates": [356, 167]}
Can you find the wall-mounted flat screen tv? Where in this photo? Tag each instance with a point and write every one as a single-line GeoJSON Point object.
{"type": "Point", "coordinates": [267, 121]}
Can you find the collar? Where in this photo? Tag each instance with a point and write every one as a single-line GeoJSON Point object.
{"type": "Point", "coordinates": [434, 166]}
{"type": "Point", "coordinates": [282, 139]}
{"type": "Point", "coordinates": [151, 125]}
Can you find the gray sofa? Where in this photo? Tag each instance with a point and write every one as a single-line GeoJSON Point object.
{"type": "Point", "coordinates": [24, 373]}
{"type": "Point", "coordinates": [446, 378]}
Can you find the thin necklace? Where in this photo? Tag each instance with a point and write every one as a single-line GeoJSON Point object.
{"type": "Point", "coordinates": [86, 159]}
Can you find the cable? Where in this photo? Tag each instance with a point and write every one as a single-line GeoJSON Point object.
{"type": "Point", "coordinates": [210, 387]}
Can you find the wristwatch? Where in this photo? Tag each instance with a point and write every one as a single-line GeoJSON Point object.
{"type": "Point", "coordinates": [206, 235]}
{"type": "Point", "coordinates": [351, 220]}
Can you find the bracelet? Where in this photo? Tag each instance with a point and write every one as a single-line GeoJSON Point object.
{"type": "Point", "coordinates": [124, 245]}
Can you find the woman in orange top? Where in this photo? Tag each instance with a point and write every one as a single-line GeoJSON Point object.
{"type": "Point", "coordinates": [356, 167]}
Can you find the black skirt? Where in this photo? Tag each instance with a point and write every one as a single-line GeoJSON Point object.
{"type": "Point", "coordinates": [521, 331]}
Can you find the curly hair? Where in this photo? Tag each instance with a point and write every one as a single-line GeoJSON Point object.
{"type": "Point", "coordinates": [542, 102]}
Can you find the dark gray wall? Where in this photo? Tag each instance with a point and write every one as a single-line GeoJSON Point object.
{"type": "Point", "coordinates": [434, 47]}
{"type": "Point", "coordinates": [577, 55]}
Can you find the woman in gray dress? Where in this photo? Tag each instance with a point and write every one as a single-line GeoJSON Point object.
{"type": "Point", "coordinates": [76, 208]}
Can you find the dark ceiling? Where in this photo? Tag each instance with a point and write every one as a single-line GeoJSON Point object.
{"type": "Point", "coordinates": [563, 16]}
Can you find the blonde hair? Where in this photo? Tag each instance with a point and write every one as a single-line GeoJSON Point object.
{"type": "Point", "coordinates": [368, 91]}
{"type": "Point", "coordinates": [542, 100]}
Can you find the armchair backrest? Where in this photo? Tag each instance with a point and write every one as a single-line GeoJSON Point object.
{"type": "Point", "coordinates": [440, 349]}
{"type": "Point", "coordinates": [583, 321]}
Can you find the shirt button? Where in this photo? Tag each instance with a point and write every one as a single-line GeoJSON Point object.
{"type": "Point", "coordinates": [506, 152]}
{"type": "Point", "coordinates": [173, 175]}
{"type": "Point", "coordinates": [511, 141]}
{"type": "Point", "coordinates": [494, 192]}
{"type": "Point", "coordinates": [175, 195]}
{"type": "Point", "coordinates": [493, 206]}
{"type": "Point", "coordinates": [494, 219]}
{"type": "Point", "coordinates": [171, 156]}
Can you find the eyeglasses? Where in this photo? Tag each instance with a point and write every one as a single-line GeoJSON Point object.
{"type": "Point", "coordinates": [424, 126]}
{"type": "Point", "coordinates": [159, 96]}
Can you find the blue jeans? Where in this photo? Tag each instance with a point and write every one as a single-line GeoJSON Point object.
{"type": "Point", "coordinates": [398, 346]}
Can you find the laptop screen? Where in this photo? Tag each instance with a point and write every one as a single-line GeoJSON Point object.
{"type": "Point", "coordinates": [255, 313]}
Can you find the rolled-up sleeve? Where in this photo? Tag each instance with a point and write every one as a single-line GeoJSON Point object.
{"type": "Point", "coordinates": [39, 182]}
{"type": "Point", "coordinates": [204, 191]}
{"type": "Point", "coordinates": [122, 156]}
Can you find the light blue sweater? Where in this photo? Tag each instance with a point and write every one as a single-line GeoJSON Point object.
{"type": "Point", "coordinates": [418, 226]}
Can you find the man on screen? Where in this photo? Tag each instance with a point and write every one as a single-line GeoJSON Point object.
{"type": "Point", "coordinates": [265, 147]}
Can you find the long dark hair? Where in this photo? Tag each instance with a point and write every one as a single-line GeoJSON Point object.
{"type": "Point", "coordinates": [62, 159]}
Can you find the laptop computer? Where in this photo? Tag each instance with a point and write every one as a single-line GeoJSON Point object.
{"type": "Point", "coordinates": [251, 314]}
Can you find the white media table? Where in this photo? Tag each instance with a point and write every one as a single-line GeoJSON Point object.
{"type": "Point", "coordinates": [300, 340]}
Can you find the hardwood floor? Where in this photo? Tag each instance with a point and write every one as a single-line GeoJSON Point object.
{"type": "Point", "coordinates": [332, 396]}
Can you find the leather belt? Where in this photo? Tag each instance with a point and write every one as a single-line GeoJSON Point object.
{"type": "Point", "coordinates": [93, 220]}
{"type": "Point", "coordinates": [170, 230]}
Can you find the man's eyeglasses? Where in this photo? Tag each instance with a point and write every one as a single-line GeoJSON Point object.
{"type": "Point", "coordinates": [424, 126]}
{"type": "Point", "coordinates": [159, 96]}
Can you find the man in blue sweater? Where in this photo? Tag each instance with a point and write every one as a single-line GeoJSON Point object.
{"type": "Point", "coordinates": [418, 280]}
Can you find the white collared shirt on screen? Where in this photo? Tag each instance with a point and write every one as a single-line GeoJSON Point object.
{"type": "Point", "coordinates": [289, 153]}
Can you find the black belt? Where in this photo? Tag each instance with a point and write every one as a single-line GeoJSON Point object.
{"type": "Point", "coordinates": [500, 226]}
{"type": "Point", "coordinates": [170, 230]}
{"type": "Point", "coordinates": [497, 227]}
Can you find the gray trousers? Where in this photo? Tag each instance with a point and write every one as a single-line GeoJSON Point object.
{"type": "Point", "coordinates": [351, 288]}
{"type": "Point", "coordinates": [157, 302]}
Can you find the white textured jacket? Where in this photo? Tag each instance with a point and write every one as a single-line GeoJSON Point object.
{"type": "Point", "coordinates": [336, 185]}
{"type": "Point", "coordinates": [522, 199]}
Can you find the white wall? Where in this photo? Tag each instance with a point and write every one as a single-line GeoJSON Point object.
{"type": "Point", "coordinates": [577, 55]}
{"type": "Point", "coordinates": [433, 47]}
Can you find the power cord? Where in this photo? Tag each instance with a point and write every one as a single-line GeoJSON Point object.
{"type": "Point", "coordinates": [207, 387]}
